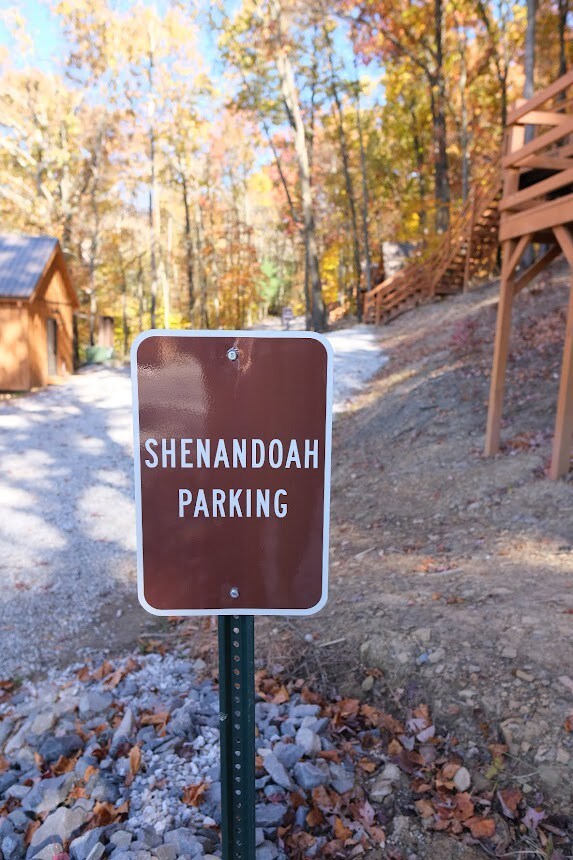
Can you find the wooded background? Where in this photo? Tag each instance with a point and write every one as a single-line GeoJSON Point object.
{"type": "Point", "coordinates": [205, 165]}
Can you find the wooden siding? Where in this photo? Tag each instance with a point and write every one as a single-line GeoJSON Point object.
{"type": "Point", "coordinates": [14, 363]}
{"type": "Point", "coordinates": [52, 299]}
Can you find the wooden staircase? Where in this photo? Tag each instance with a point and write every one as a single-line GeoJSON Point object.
{"type": "Point", "coordinates": [466, 252]}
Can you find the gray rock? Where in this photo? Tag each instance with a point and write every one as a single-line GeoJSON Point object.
{"type": "Point", "coordinates": [6, 726]}
{"type": "Point", "coordinates": [48, 852]}
{"type": "Point", "coordinates": [269, 814]}
{"type": "Point", "coordinates": [94, 703]}
{"type": "Point", "coordinates": [150, 837]}
{"type": "Point", "coordinates": [288, 754]}
{"type": "Point", "coordinates": [267, 851]}
{"type": "Point", "coordinates": [301, 711]}
{"type": "Point", "coordinates": [19, 819]}
{"type": "Point", "coordinates": [81, 847]}
{"type": "Point", "coordinates": [53, 747]}
{"type": "Point", "coordinates": [300, 816]}
{"type": "Point", "coordinates": [18, 792]}
{"type": "Point", "coordinates": [184, 842]}
{"type": "Point", "coordinates": [123, 732]}
{"type": "Point", "coordinates": [165, 852]}
{"type": "Point", "coordinates": [18, 739]}
{"type": "Point", "coordinates": [121, 838]}
{"type": "Point", "coordinates": [309, 775]}
{"type": "Point", "coordinates": [48, 793]}
{"type": "Point", "coordinates": [43, 722]}
{"type": "Point", "coordinates": [7, 779]}
{"type": "Point", "coordinates": [288, 729]}
{"type": "Point", "coordinates": [13, 847]}
{"type": "Point", "coordinates": [309, 741]}
{"type": "Point", "coordinates": [277, 771]}
{"type": "Point", "coordinates": [462, 779]}
{"type": "Point", "coordinates": [6, 828]}
{"type": "Point", "coordinates": [342, 780]}
{"type": "Point", "coordinates": [97, 852]}
{"type": "Point", "coordinates": [63, 824]}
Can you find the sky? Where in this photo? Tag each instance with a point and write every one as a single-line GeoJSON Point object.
{"type": "Point", "coordinates": [46, 40]}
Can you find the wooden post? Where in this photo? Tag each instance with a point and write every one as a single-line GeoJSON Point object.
{"type": "Point", "coordinates": [469, 248]}
{"type": "Point", "coordinates": [501, 351]}
{"type": "Point", "coordinates": [514, 138]}
{"type": "Point", "coordinates": [564, 419]}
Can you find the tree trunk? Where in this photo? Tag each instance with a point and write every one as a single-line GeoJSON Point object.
{"type": "Point", "coordinates": [422, 190]}
{"type": "Point", "coordinates": [563, 9]}
{"type": "Point", "coordinates": [140, 307]}
{"type": "Point", "coordinates": [349, 186]}
{"type": "Point", "coordinates": [201, 279]}
{"type": "Point", "coordinates": [188, 248]}
{"type": "Point", "coordinates": [292, 105]}
{"type": "Point", "coordinates": [153, 202]}
{"type": "Point", "coordinates": [464, 134]}
{"type": "Point", "coordinates": [438, 106]}
{"type": "Point", "coordinates": [529, 85]}
{"type": "Point", "coordinates": [124, 316]}
{"type": "Point", "coordinates": [365, 199]}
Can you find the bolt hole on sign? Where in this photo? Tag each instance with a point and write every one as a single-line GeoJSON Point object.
{"type": "Point", "coordinates": [232, 443]}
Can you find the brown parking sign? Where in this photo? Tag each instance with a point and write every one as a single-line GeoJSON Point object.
{"type": "Point", "coordinates": [232, 471]}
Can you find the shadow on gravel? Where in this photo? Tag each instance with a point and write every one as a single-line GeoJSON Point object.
{"type": "Point", "coordinates": [67, 534]}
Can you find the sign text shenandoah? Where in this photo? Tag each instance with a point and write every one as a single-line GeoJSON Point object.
{"type": "Point", "coordinates": [234, 454]}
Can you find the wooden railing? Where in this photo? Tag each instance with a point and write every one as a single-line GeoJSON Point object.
{"type": "Point", "coordinates": [466, 251]}
{"type": "Point", "coordinates": [536, 226]}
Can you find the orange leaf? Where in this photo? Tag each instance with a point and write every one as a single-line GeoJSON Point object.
{"type": "Point", "coordinates": [568, 724]}
{"type": "Point", "coordinates": [481, 828]}
{"type": "Point", "coordinates": [377, 834]}
{"type": "Point", "coordinates": [315, 817]}
{"type": "Point", "coordinates": [30, 830]}
{"type": "Point", "coordinates": [340, 831]}
{"type": "Point", "coordinates": [425, 808]}
{"type": "Point", "coordinates": [64, 765]}
{"type": "Point", "coordinates": [135, 760]}
{"type": "Point", "coordinates": [193, 794]}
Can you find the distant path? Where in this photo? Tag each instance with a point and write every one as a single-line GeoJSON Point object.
{"type": "Point", "coordinates": [358, 356]}
{"type": "Point", "coordinates": [67, 541]}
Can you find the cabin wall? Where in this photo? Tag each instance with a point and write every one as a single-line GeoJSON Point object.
{"type": "Point", "coordinates": [14, 354]}
{"type": "Point", "coordinates": [52, 301]}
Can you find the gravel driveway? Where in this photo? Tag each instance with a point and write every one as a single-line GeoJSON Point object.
{"type": "Point", "coordinates": [67, 535]}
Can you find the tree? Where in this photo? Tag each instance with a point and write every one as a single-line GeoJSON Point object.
{"type": "Point", "coordinates": [259, 41]}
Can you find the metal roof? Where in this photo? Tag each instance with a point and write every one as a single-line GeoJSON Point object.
{"type": "Point", "coordinates": [22, 261]}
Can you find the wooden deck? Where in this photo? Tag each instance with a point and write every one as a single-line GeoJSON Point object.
{"type": "Point", "coordinates": [536, 212]}
{"type": "Point", "coordinates": [466, 252]}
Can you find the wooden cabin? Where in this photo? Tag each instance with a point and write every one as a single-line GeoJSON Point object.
{"type": "Point", "coordinates": [37, 304]}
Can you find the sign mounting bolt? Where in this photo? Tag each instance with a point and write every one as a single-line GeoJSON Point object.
{"type": "Point", "coordinates": [234, 592]}
{"type": "Point", "coordinates": [232, 354]}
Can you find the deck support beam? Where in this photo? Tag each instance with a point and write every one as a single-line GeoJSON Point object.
{"type": "Point", "coordinates": [560, 458]}
{"type": "Point", "coordinates": [501, 350]}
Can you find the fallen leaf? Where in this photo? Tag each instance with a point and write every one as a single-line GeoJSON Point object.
{"type": "Point", "coordinates": [425, 808]}
{"type": "Point", "coordinates": [509, 799]}
{"type": "Point", "coordinates": [314, 817]}
{"type": "Point", "coordinates": [193, 794]}
{"type": "Point", "coordinates": [340, 830]}
{"type": "Point", "coordinates": [134, 760]}
{"type": "Point", "coordinates": [64, 765]}
{"type": "Point", "coordinates": [481, 828]}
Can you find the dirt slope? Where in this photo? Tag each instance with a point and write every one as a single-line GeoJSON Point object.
{"type": "Point", "coordinates": [451, 573]}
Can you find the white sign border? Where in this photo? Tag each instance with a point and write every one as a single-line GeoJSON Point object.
{"type": "Point", "coordinates": [238, 335]}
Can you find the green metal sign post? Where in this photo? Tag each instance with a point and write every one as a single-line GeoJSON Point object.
{"type": "Point", "coordinates": [237, 727]}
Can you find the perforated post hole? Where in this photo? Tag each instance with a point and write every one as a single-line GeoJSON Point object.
{"type": "Point", "coordinates": [237, 727]}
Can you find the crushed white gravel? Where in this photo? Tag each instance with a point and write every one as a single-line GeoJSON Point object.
{"type": "Point", "coordinates": [67, 533]}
